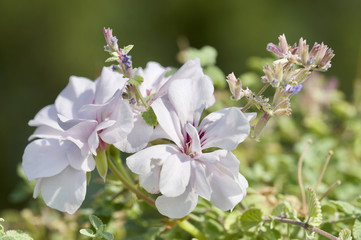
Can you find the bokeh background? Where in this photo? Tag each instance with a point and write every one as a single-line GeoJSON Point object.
{"type": "Point", "coordinates": [44, 42]}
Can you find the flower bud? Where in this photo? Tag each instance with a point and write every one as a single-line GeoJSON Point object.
{"type": "Point", "coordinates": [303, 51]}
{"type": "Point", "coordinates": [276, 50]}
{"type": "Point", "coordinates": [283, 44]}
{"type": "Point", "coordinates": [101, 163]}
{"type": "Point", "coordinates": [235, 86]}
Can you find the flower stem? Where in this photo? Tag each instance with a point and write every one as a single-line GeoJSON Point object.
{"type": "Point", "coordinates": [139, 194]}
{"type": "Point", "coordinates": [115, 154]}
{"type": "Point", "coordinates": [249, 104]}
{"type": "Point", "coordinates": [303, 225]}
{"type": "Point", "coordinates": [190, 228]}
{"type": "Point", "coordinates": [139, 95]}
{"type": "Point", "coordinates": [299, 176]}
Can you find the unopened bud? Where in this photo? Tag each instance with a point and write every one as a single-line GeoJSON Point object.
{"type": "Point", "coordinates": [235, 86]}
{"type": "Point", "coordinates": [101, 163]}
{"type": "Point", "coordinates": [276, 50]}
{"type": "Point", "coordinates": [303, 50]}
{"type": "Point", "coordinates": [283, 44]}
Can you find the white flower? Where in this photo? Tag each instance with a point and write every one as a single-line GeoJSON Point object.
{"type": "Point", "coordinates": [183, 171]}
{"type": "Point", "coordinates": [85, 117]}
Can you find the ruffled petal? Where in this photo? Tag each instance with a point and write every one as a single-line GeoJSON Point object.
{"type": "Point", "coordinates": [227, 189]}
{"type": "Point", "coordinates": [177, 207]}
{"type": "Point", "coordinates": [79, 92]}
{"type": "Point", "coordinates": [201, 182]}
{"type": "Point", "coordinates": [45, 158]}
{"type": "Point", "coordinates": [107, 84]}
{"type": "Point", "coordinates": [168, 120]}
{"type": "Point", "coordinates": [138, 138]}
{"type": "Point", "coordinates": [78, 161]}
{"type": "Point", "coordinates": [150, 181]}
{"type": "Point", "coordinates": [154, 78]}
{"type": "Point", "coordinates": [189, 97]}
{"type": "Point", "coordinates": [64, 191]}
{"type": "Point", "coordinates": [46, 117]}
{"type": "Point", "coordinates": [139, 162]}
{"type": "Point", "coordinates": [224, 129]}
{"type": "Point", "coordinates": [213, 157]}
{"type": "Point", "coordinates": [175, 174]}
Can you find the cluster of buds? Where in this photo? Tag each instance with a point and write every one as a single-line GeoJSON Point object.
{"type": "Point", "coordinates": [319, 58]}
{"type": "Point", "coordinates": [235, 86]}
{"type": "Point", "coordinates": [287, 74]}
{"type": "Point", "coordinates": [118, 54]}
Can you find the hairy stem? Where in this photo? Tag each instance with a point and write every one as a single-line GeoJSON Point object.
{"type": "Point", "coordinates": [303, 225]}
{"type": "Point", "coordinates": [299, 176]}
{"type": "Point", "coordinates": [338, 182]}
{"type": "Point", "coordinates": [330, 153]}
{"type": "Point", "coordinates": [131, 187]}
{"type": "Point", "coordinates": [191, 229]}
{"type": "Point", "coordinates": [139, 95]}
{"type": "Point", "coordinates": [249, 104]}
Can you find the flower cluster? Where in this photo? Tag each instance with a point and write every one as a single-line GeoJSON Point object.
{"type": "Point", "coordinates": [128, 108]}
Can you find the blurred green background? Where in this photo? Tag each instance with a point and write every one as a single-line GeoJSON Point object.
{"type": "Point", "coordinates": [44, 42]}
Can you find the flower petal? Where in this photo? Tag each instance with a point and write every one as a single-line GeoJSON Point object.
{"type": "Point", "coordinates": [153, 75]}
{"type": "Point", "coordinates": [150, 181]}
{"type": "Point", "coordinates": [78, 161]}
{"type": "Point", "coordinates": [64, 191]}
{"type": "Point", "coordinates": [45, 158]}
{"type": "Point", "coordinates": [107, 84]}
{"type": "Point", "coordinates": [175, 174]}
{"type": "Point", "coordinates": [189, 97]}
{"type": "Point", "coordinates": [46, 116]}
{"type": "Point", "coordinates": [224, 129]}
{"type": "Point", "coordinates": [138, 138]}
{"type": "Point", "coordinates": [168, 120]}
{"type": "Point", "coordinates": [139, 162]}
{"type": "Point", "coordinates": [79, 92]}
{"type": "Point", "coordinates": [201, 183]}
{"type": "Point", "coordinates": [177, 207]}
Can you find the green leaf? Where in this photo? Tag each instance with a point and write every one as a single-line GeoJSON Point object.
{"type": "Point", "coordinates": [329, 209]}
{"type": "Point", "coordinates": [17, 235]}
{"type": "Point", "coordinates": [112, 59]}
{"type": "Point", "coordinates": [108, 236]}
{"type": "Point", "coordinates": [207, 55]}
{"type": "Point", "coordinates": [278, 210]}
{"type": "Point", "coordinates": [356, 229]}
{"type": "Point", "coordinates": [137, 80]}
{"type": "Point", "coordinates": [231, 221]}
{"type": "Point", "coordinates": [127, 49]}
{"type": "Point", "coordinates": [149, 117]}
{"type": "Point", "coordinates": [217, 76]}
{"type": "Point", "coordinates": [314, 208]}
{"type": "Point", "coordinates": [87, 232]}
{"type": "Point", "coordinates": [95, 221]}
{"type": "Point", "coordinates": [251, 218]}
{"type": "Point", "coordinates": [345, 207]}
{"type": "Point", "coordinates": [345, 234]}
{"type": "Point", "coordinates": [102, 164]}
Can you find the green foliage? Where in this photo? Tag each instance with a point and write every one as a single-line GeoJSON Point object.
{"type": "Point", "coordinates": [251, 218]}
{"type": "Point", "coordinates": [12, 234]}
{"type": "Point", "coordinates": [127, 49]}
{"type": "Point", "coordinates": [137, 80]}
{"type": "Point", "coordinates": [149, 117]}
{"type": "Point", "coordinates": [356, 229]}
{"type": "Point", "coordinates": [100, 233]}
{"type": "Point", "coordinates": [345, 234]}
{"type": "Point", "coordinates": [314, 208]}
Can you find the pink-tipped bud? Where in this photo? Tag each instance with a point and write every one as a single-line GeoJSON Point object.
{"type": "Point", "coordinates": [235, 86]}
{"type": "Point", "coordinates": [283, 45]}
{"type": "Point", "coordinates": [321, 53]}
{"type": "Point", "coordinates": [276, 50]}
{"type": "Point", "coordinates": [303, 51]}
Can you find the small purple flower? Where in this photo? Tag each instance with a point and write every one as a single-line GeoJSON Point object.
{"type": "Point", "coordinates": [293, 89]}
{"type": "Point", "coordinates": [126, 61]}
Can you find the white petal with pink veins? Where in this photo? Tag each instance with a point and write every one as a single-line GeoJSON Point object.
{"type": "Point", "coordinates": [64, 191]}
{"type": "Point", "coordinates": [201, 182]}
{"type": "Point", "coordinates": [45, 158]}
{"type": "Point", "coordinates": [177, 207]}
{"type": "Point", "coordinates": [175, 174]}
{"type": "Point", "coordinates": [195, 142]}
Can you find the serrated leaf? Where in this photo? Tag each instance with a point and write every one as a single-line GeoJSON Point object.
{"type": "Point", "coordinates": [356, 229]}
{"type": "Point", "coordinates": [345, 207]}
{"type": "Point", "coordinates": [96, 222]}
{"type": "Point", "coordinates": [345, 234]}
{"type": "Point", "coordinates": [149, 117]}
{"type": "Point", "coordinates": [112, 59]}
{"type": "Point", "coordinates": [87, 232]}
{"type": "Point", "coordinates": [137, 80]}
{"type": "Point", "coordinates": [127, 49]}
{"type": "Point", "coordinates": [251, 218]}
{"type": "Point", "coordinates": [314, 208]}
{"type": "Point", "coordinates": [231, 220]}
{"type": "Point", "coordinates": [278, 210]}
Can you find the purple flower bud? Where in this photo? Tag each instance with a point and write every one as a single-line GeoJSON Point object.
{"type": "Point", "coordinates": [273, 48]}
{"type": "Point", "coordinates": [113, 40]}
{"type": "Point", "coordinates": [293, 89]}
{"type": "Point", "coordinates": [126, 61]}
{"type": "Point", "coordinates": [283, 45]}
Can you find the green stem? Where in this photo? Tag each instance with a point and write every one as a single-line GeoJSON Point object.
{"type": "Point", "coordinates": [139, 95]}
{"type": "Point", "coordinates": [131, 187]}
{"type": "Point", "coordinates": [190, 228]}
{"type": "Point", "coordinates": [249, 104]}
{"type": "Point", "coordinates": [115, 154]}
{"type": "Point", "coordinates": [303, 225]}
